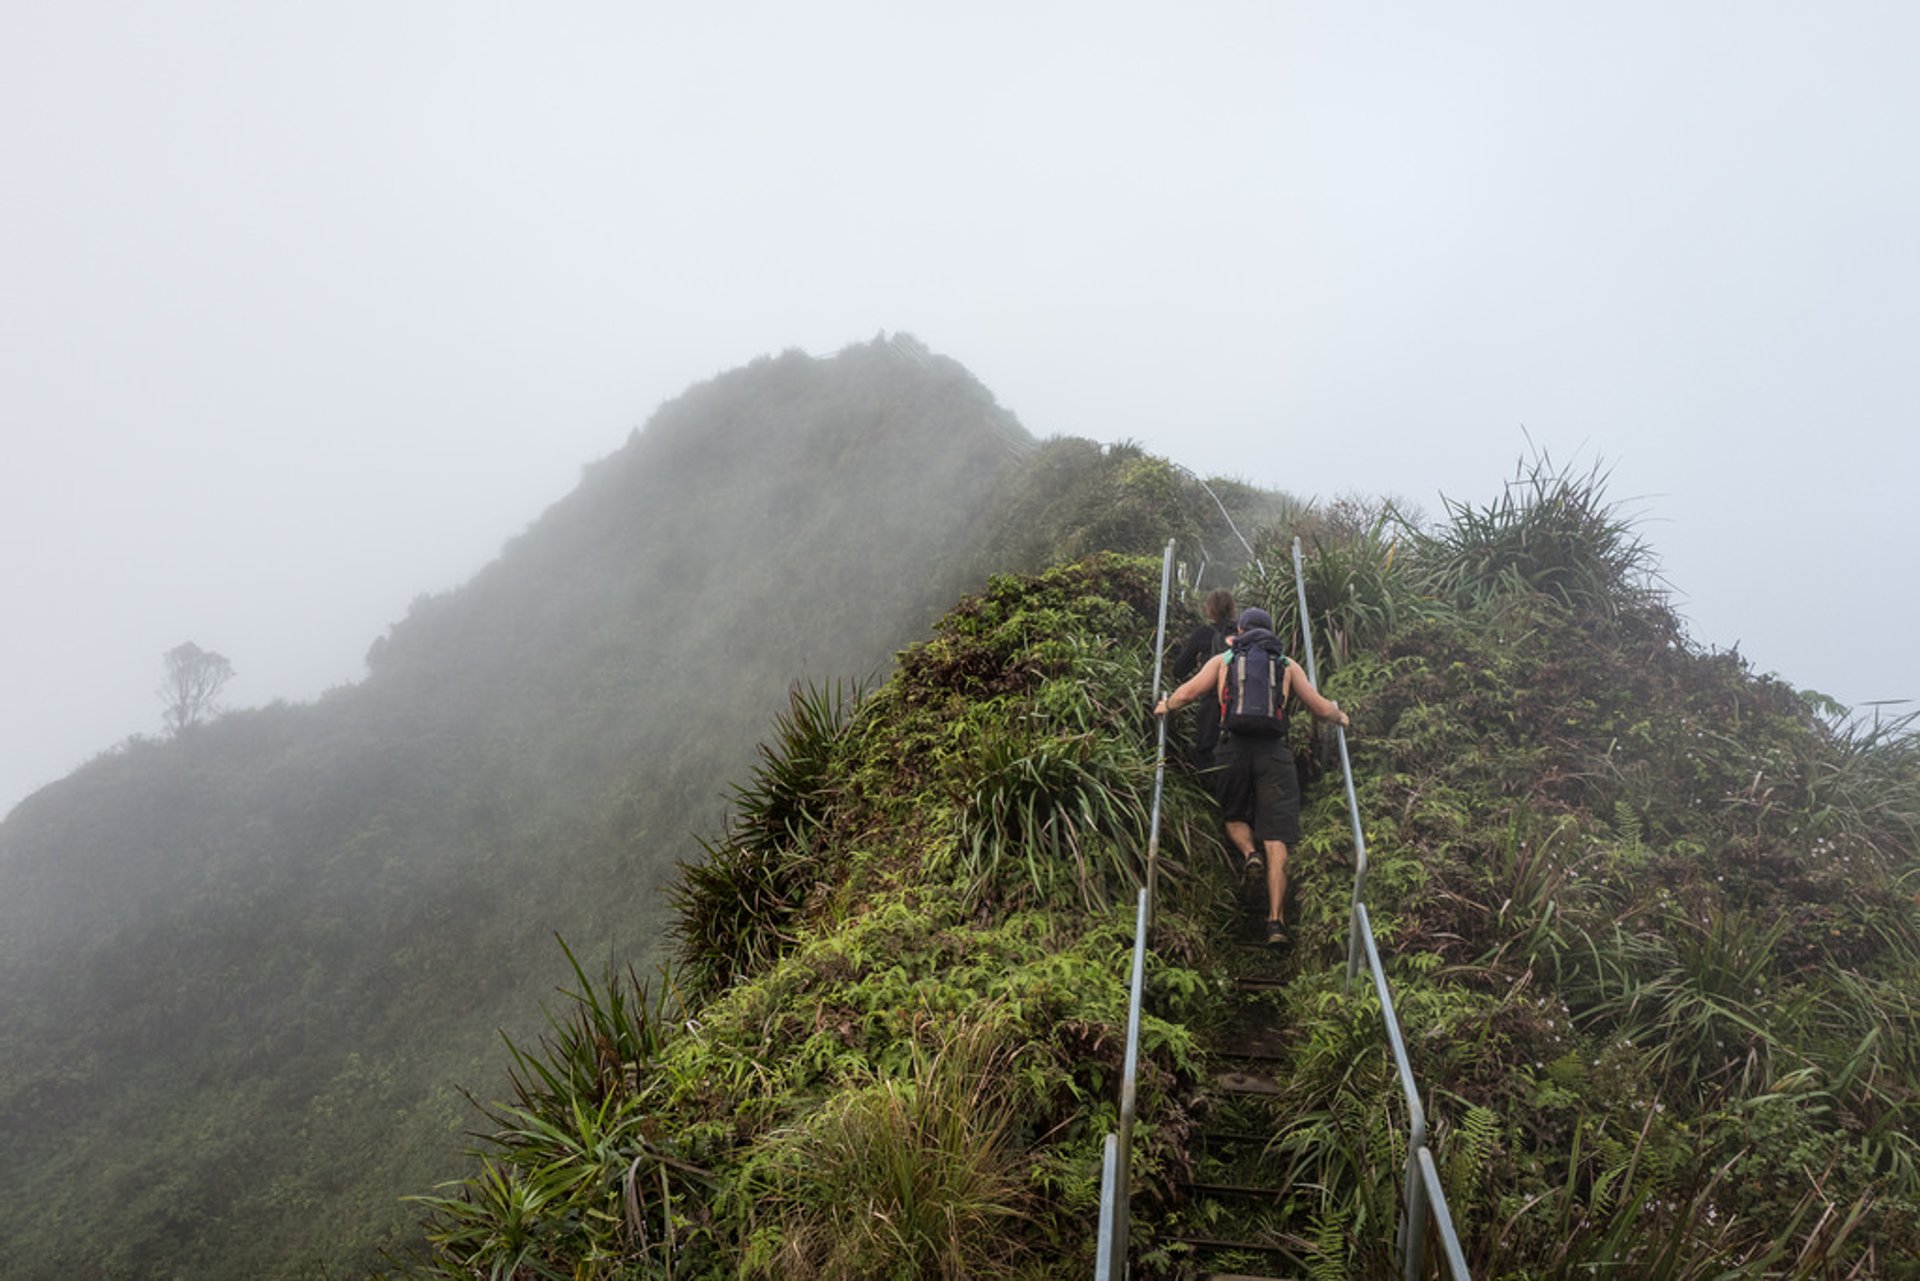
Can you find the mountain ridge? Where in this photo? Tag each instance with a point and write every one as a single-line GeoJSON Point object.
{"type": "Point", "coordinates": [235, 1059]}
{"type": "Point", "coordinates": [257, 919]}
{"type": "Point", "coordinates": [1648, 919]}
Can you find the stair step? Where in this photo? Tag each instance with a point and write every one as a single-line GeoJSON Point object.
{"type": "Point", "coordinates": [1245, 1083]}
{"type": "Point", "coordinates": [1222, 1243]}
{"type": "Point", "coordinates": [1231, 1189]}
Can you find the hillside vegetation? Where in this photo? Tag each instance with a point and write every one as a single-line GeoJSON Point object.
{"type": "Point", "coordinates": [246, 970]}
{"type": "Point", "coordinates": [1651, 923]}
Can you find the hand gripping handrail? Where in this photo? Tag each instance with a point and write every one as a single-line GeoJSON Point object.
{"type": "Point", "coordinates": [1110, 1257]}
{"type": "Point", "coordinates": [1422, 1193]}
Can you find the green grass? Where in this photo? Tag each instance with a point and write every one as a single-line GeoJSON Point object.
{"type": "Point", "coordinates": [1652, 922]}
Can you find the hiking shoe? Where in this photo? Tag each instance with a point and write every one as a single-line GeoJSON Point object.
{"type": "Point", "coordinates": [1276, 933]}
{"type": "Point", "coordinates": [1252, 864]}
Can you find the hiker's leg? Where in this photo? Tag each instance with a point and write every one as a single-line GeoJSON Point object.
{"type": "Point", "coordinates": [1276, 878]}
{"type": "Point", "coordinates": [1236, 802]}
{"type": "Point", "coordinates": [1276, 822]}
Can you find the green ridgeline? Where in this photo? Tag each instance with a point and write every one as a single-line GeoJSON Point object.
{"type": "Point", "coordinates": [1651, 923]}
{"type": "Point", "coordinates": [246, 970]}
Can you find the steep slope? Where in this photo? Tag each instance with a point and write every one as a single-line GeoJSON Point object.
{"type": "Point", "coordinates": [244, 972]}
{"type": "Point", "coordinates": [907, 987]}
{"type": "Point", "coordinates": [1650, 921]}
{"type": "Point", "coordinates": [240, 970]}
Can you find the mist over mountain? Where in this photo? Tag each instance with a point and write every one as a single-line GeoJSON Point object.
{"type": "Point", "coordinates": [1652, 916]}
{"type": "Point", "coordinates": [244, 971]}
{"type": "Point", "coordinates": [1647, 919]}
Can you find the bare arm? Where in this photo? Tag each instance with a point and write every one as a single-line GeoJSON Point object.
{"type": "Point", "coordinates": [1302, 688]}
{"type": "Point", "coordinates": [1197, 686]}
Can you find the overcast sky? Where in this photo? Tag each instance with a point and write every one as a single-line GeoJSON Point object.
{"type": "Point", "coordinates": [306, 308]}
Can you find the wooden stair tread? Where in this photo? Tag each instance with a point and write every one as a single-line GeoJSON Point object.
{"type": "Point", "coordinates": [1245, 1083]}
{"type": "Point", "coordinates": [1223, 1243]}
{"type": "Point", "coordinates": [1230, 1189]}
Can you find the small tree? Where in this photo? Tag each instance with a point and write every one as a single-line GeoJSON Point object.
{"type": "Point", "coordinates": [194, 679]}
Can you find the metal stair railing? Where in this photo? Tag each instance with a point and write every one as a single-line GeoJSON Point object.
{"type": "Point", "coordinates": [1116, 1218]}
{"type": "Point", "coordinates": [1116, 1221]}
{"type": "Point", "coordinates": [1422, 1195]}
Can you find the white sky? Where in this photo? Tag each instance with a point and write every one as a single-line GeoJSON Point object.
{"type": "Point", "coordinates": [306, 308]}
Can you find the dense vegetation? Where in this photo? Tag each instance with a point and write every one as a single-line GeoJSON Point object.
{"type": "Point", "coordinates": [1656, 922]}
{"type": "Point", "coordinates": [1652, 925]}
{"type": "Point", "coordinates": [892, 1043]}
{"type": "Point", "coordinates": [1652, 918]}
{"type": "Point", "coordinates": [244, 972]}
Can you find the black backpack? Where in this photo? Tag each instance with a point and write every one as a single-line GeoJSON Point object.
{"type": "Point", "coordinates": [1250, 693]}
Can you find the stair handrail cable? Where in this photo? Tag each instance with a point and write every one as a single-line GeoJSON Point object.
{"type": "Point", "coordinates": [1346, 773]}
{"type": "Point", "coordinates": [1422, 1194]}
{"type": "Point", "coordinates": [1110, 1255]}
{"type": "Point", "coordinates": [1160, 734]}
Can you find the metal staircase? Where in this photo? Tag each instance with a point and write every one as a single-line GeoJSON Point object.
{"type": "Point", "coordinates": [1231, 1223]}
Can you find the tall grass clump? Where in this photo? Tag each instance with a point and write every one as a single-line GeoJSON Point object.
{"type": "Point", "coordinates": [1863, 791]}
{"type": "Point", "coordinates": [1064, 808]}
{"type": "Point", "coordinates": [734, 906]}
{"type": "Point", "coordinates": [1022, 728]}
{"type": "Point", "coordinates": [1358, 587]}
{"type": "Point", "coordinates": [909, 1176]}
{"type": "Point", "coordinates": [1551, 531]}
{"type": "Point", "coordinates": [575, 1178]}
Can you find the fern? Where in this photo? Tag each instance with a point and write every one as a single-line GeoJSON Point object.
{"type": "Point", "coordinates": [1472, 1150]}
{"type": "Point", "coordinates": [1332, 1243]}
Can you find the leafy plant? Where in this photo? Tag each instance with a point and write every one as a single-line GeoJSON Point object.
{"type": "Point", "coordinates": [900, 1177]}
{"type": "Point", "coordinates": [1550, 531]}
{"type": "Point", "coordinates": [736, 905]}
{"type": "Point", "coordinates": [1063, 805]}
{"type": "Point", "coordinates": [1357, 588]}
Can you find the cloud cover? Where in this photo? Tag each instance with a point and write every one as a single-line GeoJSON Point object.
{"type": "Point", "coordinates": [305, 309]}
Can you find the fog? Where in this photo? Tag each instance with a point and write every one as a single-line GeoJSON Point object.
{"type": "Point", "coordinates": [305, 309]}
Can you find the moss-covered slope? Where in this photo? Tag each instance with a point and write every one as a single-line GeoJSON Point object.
{"type": "Point", "coordinates": [1650, 921]}
{"type": "Point", "coordinates": [893, 1046]}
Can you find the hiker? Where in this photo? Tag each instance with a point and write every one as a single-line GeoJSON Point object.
{"type": "Point", "coordinates": [1260, 790]}
{"type": "Point", "coordinates": [1206, 640]}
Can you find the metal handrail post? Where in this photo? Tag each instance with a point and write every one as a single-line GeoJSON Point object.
{"type": "Point", "coordinates": [1449, 1241]}
{"type": "Point", "coordinates": [1160, 735]}
{"type": "Point", "coordinates": [1422, 1197]}
{"type": "Point", "coordinates": [1346, 773]}
{"type": "Point", "coordinates": [1116, 1183]}
{"type": "Point", "coordinates": [1306, 624]}
{"type": "Point", "coordinates": [1116, 1176]}
{"type": "Point", "coordinates": [1413, 1227]}
{"type": "Point", "coordinates": [1103, 1258]}
{"type": "Point", "coordinates": [1359, 865]}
